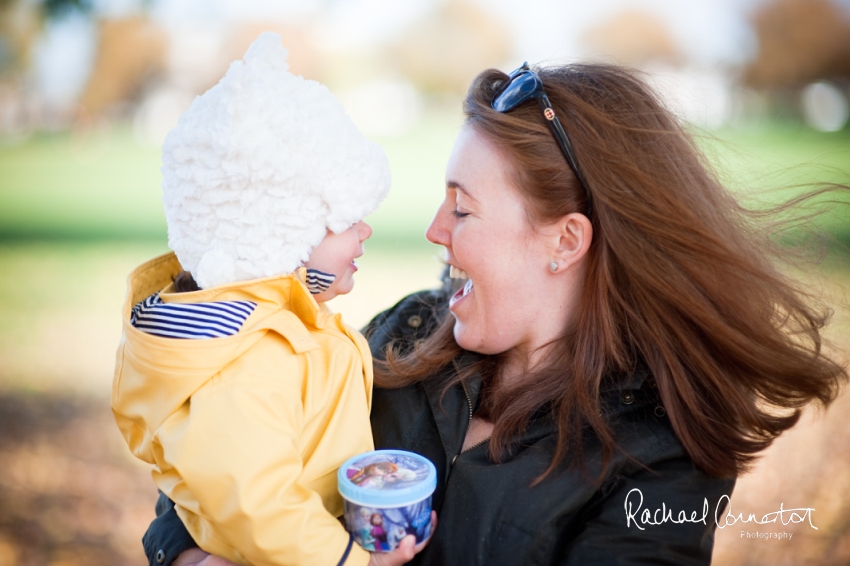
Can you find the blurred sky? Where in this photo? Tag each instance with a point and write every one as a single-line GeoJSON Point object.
{"type": "Point", "coordinates": [708, 30]}
{"type": "Point", "coordinates": [709, 35]}
{"type": "Point", "coordinates": [708, 42]}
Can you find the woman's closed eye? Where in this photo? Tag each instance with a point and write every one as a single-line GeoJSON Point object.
{"type": "Point", "coordinates": [458, 214]}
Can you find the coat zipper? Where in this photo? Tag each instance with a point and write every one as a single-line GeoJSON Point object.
{"type": "Point", "coordinates": [468, 422]}
{"type": "Point", "coordinates": [476, 445]}
{"type": "Point", "coordinates": [468, 404]}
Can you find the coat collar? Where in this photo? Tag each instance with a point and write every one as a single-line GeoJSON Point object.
{"type": "Point", "coordinates": [281, 292]}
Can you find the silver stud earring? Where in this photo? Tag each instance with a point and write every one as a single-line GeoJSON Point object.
{"type": "Point", "coordinates": [553, 267]}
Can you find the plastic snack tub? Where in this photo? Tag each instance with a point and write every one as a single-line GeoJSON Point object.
{"type": "Point", "coordinates": [387, 496]}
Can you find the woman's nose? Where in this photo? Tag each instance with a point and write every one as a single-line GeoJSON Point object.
{"type": "Point", "coordinates": [438, 232]}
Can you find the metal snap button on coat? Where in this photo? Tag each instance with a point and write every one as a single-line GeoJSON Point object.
{"type": "Point", "coordinates": [628, 399]}
{"type": "Point", "coordinates": [160, 556]}
{"type": "Point", "coordinates": [414, 321]}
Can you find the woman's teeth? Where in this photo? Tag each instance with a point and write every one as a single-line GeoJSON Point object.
{"type": "Point", "coordinates": [456, 273]}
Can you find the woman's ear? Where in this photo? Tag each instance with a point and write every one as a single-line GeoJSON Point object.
{"type": "Point", "coordinates": [573, 234]}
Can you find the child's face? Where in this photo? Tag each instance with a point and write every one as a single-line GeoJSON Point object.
{"type": "Point", "coordinates": [335, 254]}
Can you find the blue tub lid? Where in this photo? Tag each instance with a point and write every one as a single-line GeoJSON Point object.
{"type": "Point", "coordinates": [387, 478]}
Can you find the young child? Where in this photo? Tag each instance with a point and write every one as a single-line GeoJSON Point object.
{"type": "Point", "coordinates": [245, 393]}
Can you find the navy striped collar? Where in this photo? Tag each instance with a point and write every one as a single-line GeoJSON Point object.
{"type": "Point", "coordinates": [190, 320]}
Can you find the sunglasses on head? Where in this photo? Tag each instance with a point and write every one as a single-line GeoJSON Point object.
{"type": "Point", "coordinates": [524, 84]}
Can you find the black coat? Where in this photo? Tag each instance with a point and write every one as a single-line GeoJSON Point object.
{"type": "Point", "coordinates": [489, 513]}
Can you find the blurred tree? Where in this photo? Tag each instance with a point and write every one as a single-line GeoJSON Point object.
{"type": "Point", "coordinates": [633, 37]}
{"type": "Point", "coordinates": [799, 41]}
{"type": "Point", "coordinates": [19, 26]}
{"type": "Point", "coordinates": [129, 52]}
{"type": "Point", "coordinates": [303, 58]}
{"type": "Point", "coordinates": [445, 51]}
{"type": "Point", "coordinates": [54, 8]}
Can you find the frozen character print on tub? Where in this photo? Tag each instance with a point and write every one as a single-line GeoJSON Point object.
{"type": "Point", "coordinates": [395, 535]}
{"type": "Point", "coordinates": [394, 471]}
{"type": "Point", "coordinates": [387, 496]}
{"type": "Point", "coordinates": [378, 531]}
{"type": "Point", "coordinates": [363, 533]}
{"type": "Point", "coordinates": [372, 475]}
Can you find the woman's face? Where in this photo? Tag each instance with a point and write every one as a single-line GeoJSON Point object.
{"type": "Point", "coordinates": [507, 302]}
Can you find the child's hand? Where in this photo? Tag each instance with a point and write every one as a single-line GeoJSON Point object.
{"type": "Point", "coordinates": [403, 553]}
{"type": "Point", "coordinates": [197, 557]}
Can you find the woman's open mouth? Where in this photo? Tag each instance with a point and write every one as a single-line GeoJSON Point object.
{"type": "Point", "coordinates": [456, 273]}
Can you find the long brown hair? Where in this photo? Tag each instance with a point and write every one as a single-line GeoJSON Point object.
{"type": "Point", "coordinates": [680, 280]}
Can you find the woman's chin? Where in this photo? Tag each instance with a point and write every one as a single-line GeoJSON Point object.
{"type": "Point", "coordinates": [479, 342]}
{"type": "Point", "coordinates": [462, 336]}
{"type": "Point", "coordinates": [467, 339]}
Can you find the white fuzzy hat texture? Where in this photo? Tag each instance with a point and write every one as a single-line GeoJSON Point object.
{"type": "Point", "coordinates": [259, 167]}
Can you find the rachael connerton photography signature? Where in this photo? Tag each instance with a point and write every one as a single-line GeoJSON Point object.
{"type": "Point", "coordinates": [633, 505]}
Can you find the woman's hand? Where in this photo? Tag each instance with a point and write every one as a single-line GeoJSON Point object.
{"type": "Point", "coordinates": [403, 553]}
{"type": "Point", "coordinates": [197, 557]}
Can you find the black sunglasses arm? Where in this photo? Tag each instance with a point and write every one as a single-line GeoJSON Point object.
{"type": "Point", "coordinates": [563, 141]}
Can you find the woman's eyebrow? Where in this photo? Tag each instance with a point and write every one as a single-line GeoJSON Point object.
{"type": "Point", "coordinates": [459, 187]}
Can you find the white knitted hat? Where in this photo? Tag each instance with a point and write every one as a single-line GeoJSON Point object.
{"type": "Point", "coordinates": [259, 167]}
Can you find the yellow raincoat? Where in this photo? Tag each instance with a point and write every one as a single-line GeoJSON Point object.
{"type": "Point", "coordinates": [245, 433]}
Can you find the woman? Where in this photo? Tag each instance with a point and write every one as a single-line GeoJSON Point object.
{"type": "Point", "coordinates": [622, 347]}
